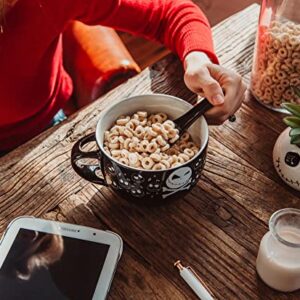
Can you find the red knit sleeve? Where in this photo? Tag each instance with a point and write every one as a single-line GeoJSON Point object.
{"type": "Point", "coordinates": [179, 24]}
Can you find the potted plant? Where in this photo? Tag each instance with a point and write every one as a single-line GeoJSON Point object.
{"type": "Point", "coordinates": [286, 153]}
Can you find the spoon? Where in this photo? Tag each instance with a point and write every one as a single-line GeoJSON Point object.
{"type": "Point", "coordinates": [185, 121]}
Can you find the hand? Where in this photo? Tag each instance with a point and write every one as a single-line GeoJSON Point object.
{"type": "Point", "coordinates": [222, 87]}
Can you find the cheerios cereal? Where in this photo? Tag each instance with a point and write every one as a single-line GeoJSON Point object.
{"type": "Point", "coordinates": [276, 70]}
{"type": "Point", "coordinates": [143, 142]}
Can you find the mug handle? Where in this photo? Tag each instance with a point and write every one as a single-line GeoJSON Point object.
{"type": "Point", "coordinates": [87, 172]}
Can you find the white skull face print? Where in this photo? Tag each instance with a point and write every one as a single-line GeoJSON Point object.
{"type": "Point", "coordinates": [137, 178]}
{"type": "Point", "coordinates": [111, 169]}
{"type": "Point", "coordinates": [200, 163]}
{"type": "Point", "coordinates": [154, 184]}
{"type": "Point", "coordinates": [120, 180]}
{"type": "Point", "coordinates": [178, 180]}
{"type": "Point", "coordinates": [137, 191]}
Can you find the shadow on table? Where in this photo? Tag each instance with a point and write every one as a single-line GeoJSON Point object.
{"type": "Point", "coordinates": [150, 230]}
{"type": "Point", "coordinates": [167, 78]}
{"type": "Point", "coordinates": [25, 149]}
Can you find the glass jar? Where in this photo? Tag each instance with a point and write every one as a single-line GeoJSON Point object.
{"type": "Point", "coordinates": [278, 260]}
{"type": "Point", "coordinates": [275, 75]}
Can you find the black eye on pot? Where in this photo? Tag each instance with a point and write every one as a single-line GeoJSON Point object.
{"type": "Point", "coordinates": [292, 159]}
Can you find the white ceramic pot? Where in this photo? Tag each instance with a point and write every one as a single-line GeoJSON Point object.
{"type": "Point", "coordinates": [286, 159]}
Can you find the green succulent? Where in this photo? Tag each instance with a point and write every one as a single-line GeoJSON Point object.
{"type": "Point", "coordinates": [293, 121]}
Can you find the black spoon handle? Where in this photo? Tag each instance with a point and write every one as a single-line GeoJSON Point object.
{"type": "Point", "coordinates": [186, 120]}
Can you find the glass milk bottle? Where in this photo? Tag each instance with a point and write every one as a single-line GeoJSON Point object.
{"type": "Point", "coordinates": [275, 74]}
{"type": "Point", "coordinates": [278, 260]}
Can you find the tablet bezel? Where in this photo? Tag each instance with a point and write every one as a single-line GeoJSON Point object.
{"type": "Point", "coordinates": [73, 231]}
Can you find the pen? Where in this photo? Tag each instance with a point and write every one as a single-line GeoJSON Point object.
{"type": "Point", "coordinates": [194, 281]}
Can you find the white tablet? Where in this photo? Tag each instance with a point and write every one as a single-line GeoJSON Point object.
{"type": "Point", "coordinates": [42, 259]}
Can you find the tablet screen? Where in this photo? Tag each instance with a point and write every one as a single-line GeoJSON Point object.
{"type": "Point", "coordinates": [47, 266]}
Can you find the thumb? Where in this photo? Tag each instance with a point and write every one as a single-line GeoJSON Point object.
{"type": "Point", "coordinates": [211, 88]}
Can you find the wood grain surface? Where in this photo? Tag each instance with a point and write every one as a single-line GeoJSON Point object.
{"type": "Point", "coordinates": [216, 228]}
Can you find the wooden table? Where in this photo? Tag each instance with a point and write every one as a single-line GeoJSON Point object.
{"type": "Point", "coordinates": [216, 228]}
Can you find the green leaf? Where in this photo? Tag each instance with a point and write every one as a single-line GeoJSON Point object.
{"type": "Point", "coordinates": [295, 140]}
{"type": "Point", "coordinates": [295, 131]}
{"type": "Point", "coordinates": [292, 122]}
{"type": "Point", "coordinates": [292, 108]}
{"type": "Point", "coordinates": [297, 91]}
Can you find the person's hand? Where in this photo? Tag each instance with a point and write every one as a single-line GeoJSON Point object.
{"type": "Point", "coordinates": [222, 87]}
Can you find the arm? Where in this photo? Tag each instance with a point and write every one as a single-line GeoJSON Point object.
{"type": "Point", "coordinates": [96, 60]}
{"type": "Point", "coordinates": [181, 26]}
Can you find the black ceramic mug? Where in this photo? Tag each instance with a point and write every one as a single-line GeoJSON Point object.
{"type": "Point", "coordinates": [138, 184]}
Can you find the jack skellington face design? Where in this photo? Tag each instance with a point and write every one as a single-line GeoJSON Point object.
{"type": "Point", "coordinates": [288, 167]}
{"type": "Point", "coordinates": [286, 159]}
{"type": "Point", "coordinates": [178, 180]}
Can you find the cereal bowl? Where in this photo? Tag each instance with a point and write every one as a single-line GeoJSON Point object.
{"type": "Point", "coordinates": [135, 184]}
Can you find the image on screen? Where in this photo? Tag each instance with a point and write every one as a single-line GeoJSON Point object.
{"type": "Point", "coordinates": [47, 266]}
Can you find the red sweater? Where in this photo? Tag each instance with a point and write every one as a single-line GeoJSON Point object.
{"type": "Point", "coordinates": [33, 83]}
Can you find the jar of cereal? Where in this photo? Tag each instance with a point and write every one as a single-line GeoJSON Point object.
{"type": "Point", "coordinates": [276, 69]}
